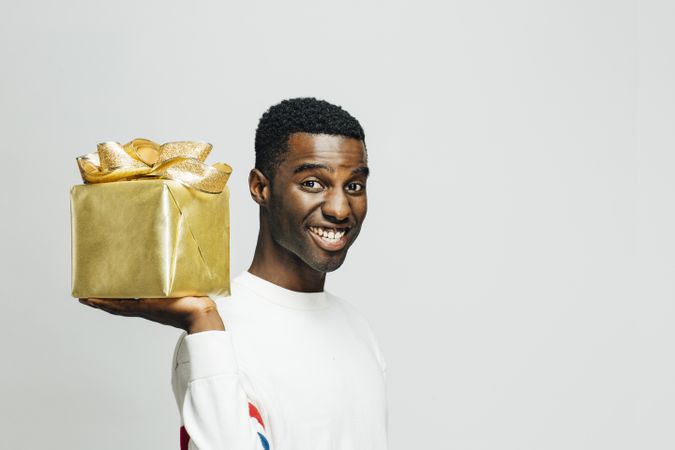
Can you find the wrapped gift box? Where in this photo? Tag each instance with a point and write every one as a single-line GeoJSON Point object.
{"type": "Point", "coordinates": [163, 233]}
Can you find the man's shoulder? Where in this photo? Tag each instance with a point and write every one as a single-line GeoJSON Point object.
{"type": "Point", "coordinates": [348, 305]}
{"type": "Point", "coordinates": [352, 310]}
{"type": "Point", "coordinates": [238, 291]}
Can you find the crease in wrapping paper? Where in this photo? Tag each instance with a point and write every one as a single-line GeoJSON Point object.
{"type": "Point", "coordinates": [161, 238]}
{"type": "Point", "coordinates": [184, 220]}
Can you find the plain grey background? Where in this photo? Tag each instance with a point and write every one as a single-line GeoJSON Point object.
{"type": "Point", "coordinates": [517, 258]}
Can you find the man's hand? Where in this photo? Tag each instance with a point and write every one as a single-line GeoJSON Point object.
{"type": "Point", "coordinates": [192, 314]}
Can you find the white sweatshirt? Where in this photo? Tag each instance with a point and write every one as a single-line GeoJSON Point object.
{"type": "Point", "coordinates": [292, 371]}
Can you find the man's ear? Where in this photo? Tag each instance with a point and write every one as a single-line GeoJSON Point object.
{"type": "Point", "coordinates": [259, 186]}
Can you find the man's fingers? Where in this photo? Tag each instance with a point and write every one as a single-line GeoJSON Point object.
{"type": "Point", "coordinates": [118, 306]}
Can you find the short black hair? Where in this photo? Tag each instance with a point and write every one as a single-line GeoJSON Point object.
{"type": "Point", "coordinates": [301, 114]}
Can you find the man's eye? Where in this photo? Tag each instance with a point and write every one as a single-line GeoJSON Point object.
{"type": "Point", "coordinates": [356, 187]}
{"type": "Point", "coordinates": [312, 184]}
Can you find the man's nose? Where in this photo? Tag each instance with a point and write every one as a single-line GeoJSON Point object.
{"type": "Point", "coordinates": [336, 206]}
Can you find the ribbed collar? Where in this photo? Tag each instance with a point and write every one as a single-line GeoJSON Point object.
{"type": "Point", "coordinates": [282, 296]}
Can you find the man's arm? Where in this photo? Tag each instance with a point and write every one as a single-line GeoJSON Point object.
{"type": "Point", "coordinates": [383, 366]}
{"type": "Point", "coordinates": [215, 411]}
{"type": "Point", "coordinates": [207, 320]}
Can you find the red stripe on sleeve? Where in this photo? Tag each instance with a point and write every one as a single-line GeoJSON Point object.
{"type": "Point", "coordinates": [253, 412]}
{"type": "Point", "coordinates": [184, 438]}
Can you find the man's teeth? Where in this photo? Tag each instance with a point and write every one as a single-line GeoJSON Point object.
{"type": "Point", "coordinates": [327, 233]}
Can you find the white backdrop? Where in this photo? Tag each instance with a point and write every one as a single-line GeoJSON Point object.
{"type": "Point", "coordinates": [517, 259]}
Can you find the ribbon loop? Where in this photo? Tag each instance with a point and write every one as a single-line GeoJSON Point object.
{"type": "Point", "coordinates": [182, 161]}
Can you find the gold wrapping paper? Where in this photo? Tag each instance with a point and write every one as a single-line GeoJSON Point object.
{"type": "Point", "coordinates": [153, 232]}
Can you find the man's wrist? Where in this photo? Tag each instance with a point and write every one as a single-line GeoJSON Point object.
{"type": "Point", "coordinates": [206, 321]}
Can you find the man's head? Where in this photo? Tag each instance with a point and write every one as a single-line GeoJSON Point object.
{"type": "Point", "coordinates": [310, 179]}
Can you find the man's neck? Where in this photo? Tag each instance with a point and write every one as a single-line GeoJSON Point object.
{"type": "Point", "coordinates": [277, 265]}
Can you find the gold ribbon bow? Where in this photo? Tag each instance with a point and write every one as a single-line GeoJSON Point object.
{"type": "Point", "coordinates": [182, 161]}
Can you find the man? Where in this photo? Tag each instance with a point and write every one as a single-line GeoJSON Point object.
{"type": "Point", "coordinates": [296, 368]}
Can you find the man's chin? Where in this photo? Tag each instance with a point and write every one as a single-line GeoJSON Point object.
{"type": "Point", "coordinates": [326, 265]}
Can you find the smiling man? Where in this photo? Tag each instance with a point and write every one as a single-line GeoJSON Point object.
{"type": "Point", "coordinates": [282, 364]}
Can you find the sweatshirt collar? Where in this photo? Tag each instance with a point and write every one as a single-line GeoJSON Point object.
{"type": "Point", "coordinates": [282, 296]}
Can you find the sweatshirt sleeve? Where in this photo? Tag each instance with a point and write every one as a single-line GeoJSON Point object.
{"type": "Point", "coordinates": [383, 367]}
{"type": "Point", "coordinates": [215, 412]}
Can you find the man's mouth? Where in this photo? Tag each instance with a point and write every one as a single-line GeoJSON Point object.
{"type": "Point", "coordinates": [329, 238]}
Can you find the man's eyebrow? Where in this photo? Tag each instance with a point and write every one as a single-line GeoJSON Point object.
{"type": "Point", "coordinates": [362, 169]}
{"type": "Point", "coordinates": [309, 166]}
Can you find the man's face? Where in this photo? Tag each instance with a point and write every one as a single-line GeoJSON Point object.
{"type": "Point", "coordinates": [318, 199]}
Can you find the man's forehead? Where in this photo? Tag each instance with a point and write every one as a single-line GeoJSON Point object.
{"type": "Point", "coordinates": [308, 151]}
